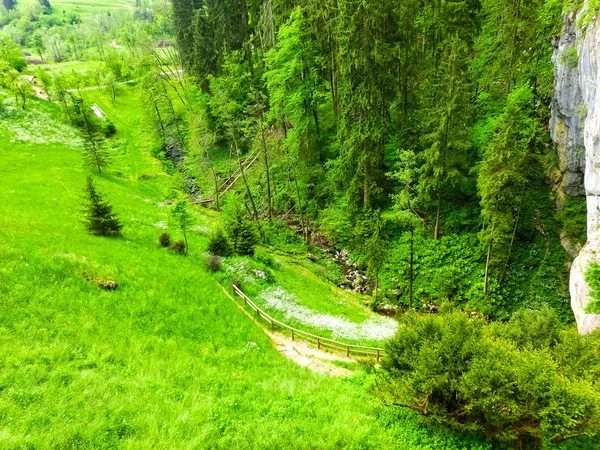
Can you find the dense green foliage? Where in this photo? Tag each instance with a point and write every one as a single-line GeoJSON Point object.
{"type": "Point", "coordinates": [519, 383]}
{"type": "Point", "coordinates": [410, 133]}
{"type": "Point", "coordinates": [334, 98]}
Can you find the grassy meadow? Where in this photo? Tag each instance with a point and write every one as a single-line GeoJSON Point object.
{"type": "Point", "coordinates": [167, 360]}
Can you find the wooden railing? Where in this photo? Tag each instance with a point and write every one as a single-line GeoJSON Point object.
{"type": "Point", "coordinates": [320, 341]}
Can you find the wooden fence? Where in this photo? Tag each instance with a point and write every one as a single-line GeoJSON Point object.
{"type": "Point", "coordinates": [320, 341]}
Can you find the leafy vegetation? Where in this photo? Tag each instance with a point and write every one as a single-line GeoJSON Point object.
{"type": "Point", "coordinates": [522, 383]}
{"type": "Point", "coordinates": [394, 149]}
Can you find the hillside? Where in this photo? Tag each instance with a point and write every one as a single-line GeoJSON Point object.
{"type": "Point", "coordinates": [167, 359]}
{"type": "Point", "coordinates": [306, 225]}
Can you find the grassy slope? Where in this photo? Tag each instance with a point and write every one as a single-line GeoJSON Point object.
{"type": "Point", "coordinates": [166, 361]}
{"type": "Point", "coordinates": [86, 7]}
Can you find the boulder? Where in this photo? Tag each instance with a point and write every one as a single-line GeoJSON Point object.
{"type": "Point", "coordinates": [579, 289]}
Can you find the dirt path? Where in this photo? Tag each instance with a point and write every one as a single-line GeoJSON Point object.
{"type": "Point", "coordinates": [301, 352]}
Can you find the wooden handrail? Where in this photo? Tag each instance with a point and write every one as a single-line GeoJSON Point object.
{"type": "Point", "coordinates": [363, 349]}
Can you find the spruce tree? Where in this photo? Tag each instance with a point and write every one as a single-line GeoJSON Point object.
{"type": "Point", "coordinates": [99, 217]}
{"type": "Point", "coordinates": [241, 230]}
{"type": "Point", "coordinates": [95, 151]}
{"type": "Point", "coordinates": [448, 133]}
{"type": "Point", "coordinates": [503, 179]}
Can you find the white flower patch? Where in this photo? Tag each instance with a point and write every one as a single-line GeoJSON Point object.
{"type": "Point", "coordinates": [375, 328]}
{"type": "Point", "coordinates": [251, 346]}
{"type": "Point", "coordinates": [161, 225]}
{"type": "Point", "coordinates": [201, 229]}
{"type": "Point", "coordinates": [39, 127]}
{"type": "Point", "coordinates": [240, 270]}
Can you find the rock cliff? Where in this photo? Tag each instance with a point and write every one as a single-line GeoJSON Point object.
{"type": "Point", "coordinates": [566, 125]}
{"type": "Point", "coordinates": [575, 130]}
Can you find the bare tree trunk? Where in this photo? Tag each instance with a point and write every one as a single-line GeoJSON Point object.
{"type": "Point", "coordinates": [411, 265]}
{"type": "Point", "coordinates": [266, 158]}
{"type": "Point", "coordinates": [512, 240]}
{"type": "Point", "coordinates": [302, 223]}
{"type": "Point", "coordinates": [249, 192]}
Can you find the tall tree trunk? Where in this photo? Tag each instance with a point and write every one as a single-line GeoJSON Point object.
{"type": "Point", "coordinates": [249, 192]}
{"type": "Point", "coordinates": [436, 232]}
{"type": "Point", "coordinates": [489, 257]}
{"type": "Point", "coordinates": [512, 240]}
{"type": "Point", "coordinates": [266, 159]}
{"type": "Point", "coordinates": [411, 266]}
{"type": "Point", "coordinates": [302, 224]}
{"type": "Point", "coordinates": [214, 173]}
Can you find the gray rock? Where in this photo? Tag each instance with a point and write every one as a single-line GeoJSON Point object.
{"type": "Point", "coordinates": [568, 111]}
{"type": "Point", "coordinates": [576, 120]}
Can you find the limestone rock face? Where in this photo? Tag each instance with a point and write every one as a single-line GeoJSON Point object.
{"type": "Point", "coordinates": [566, 124]}
{"type": "Point", "coordinates": [586, 323]}
{"type": "Point", "coordinates": [576, 120]}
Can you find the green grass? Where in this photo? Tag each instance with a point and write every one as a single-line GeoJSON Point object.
{"type": "Point", "coordinates": [87, 8]}
{"type": "Point", "coordinates": [167, 360]}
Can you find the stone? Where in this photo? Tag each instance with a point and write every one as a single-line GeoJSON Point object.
{"type": "Point", "coordinates": [568, 110]}
{"type": "Point", "coordinates": [579, 289]}
{"type": "Point", "coordinates": [575, 130]}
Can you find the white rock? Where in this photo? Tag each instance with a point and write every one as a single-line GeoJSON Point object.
{"type": "Point", "coordinates": [580, 291]}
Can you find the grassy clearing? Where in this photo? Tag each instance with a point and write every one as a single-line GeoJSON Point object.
{"type": "Point", "coordinates": [86, 8]}
{"type": "Point", "coordinates": [167, 360]}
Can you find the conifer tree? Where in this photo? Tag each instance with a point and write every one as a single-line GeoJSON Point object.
{"type": "Point", "coordinates": [296, 90]}
{"type": "Point", "coordinates": [503, 178]}
{"type": "Point", "coordinates": [405, 207]}
{"type": "Point", "coordinates": [366, 34]}
{"type": "Point", "coordinates": [95, 151]}
{"type": "Point", "coordinates": [99, 217]}
{"type": "Point", "coordinates": [241, 230]}
{"type": "Point", "coordinates": [448, 138]}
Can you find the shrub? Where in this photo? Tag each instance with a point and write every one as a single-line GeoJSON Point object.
{"type": "Point", "coordinates": [213, 263]}
{"type": "Point", "coordinates": [218, 244]}
{"type": "Point", "coordinates": [514, 386]}
{"type": "Point", "coordinates": [265, 258]}
{"type": "Point", "coordinates": [164, 239]}
{"type": "Point", "coordinates": [107, 127]}
{"type": "Point", "coordinates": [99, 217]}
{"type": "Point", "coordinates": [178, 247]}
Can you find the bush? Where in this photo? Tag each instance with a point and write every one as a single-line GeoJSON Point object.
{"type": "Point", "coordinates": [164, 239]}
{"type": "Point", "coordinates": [512, 385]}
{"type": "Point", "coordinates": [213, 263]}
{"type": "Point", "coordinates": [218, 244]}
{"type": "Point", "coordinates": [178, 247]}
{"type": "Point", "coordinates": [265, 258]}
{"type": "Point", "coordinates": [107, 127]}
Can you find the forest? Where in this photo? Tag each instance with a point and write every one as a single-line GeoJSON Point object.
{"type": "Point", "coordinates": [373, 173]}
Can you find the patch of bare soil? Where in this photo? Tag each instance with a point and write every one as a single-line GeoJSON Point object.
{"type": "Point", "coordinates": [306, 356]}
{"type": "Point", "coordinates": [301, 352]}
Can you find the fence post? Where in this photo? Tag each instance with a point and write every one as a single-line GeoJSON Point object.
{"type": "Point", "coordinates": [257, 313]}
{"type": "Point", "coordinates": [378, 355]}
{"type": "Point", "coordinates": [271, 325]}
{"type": "Point", "coordinates": [348, 351]}
{"type": "Point", "coordinates": [319, 343]}
{"type": "Point", "coordinates": [292, 335]}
